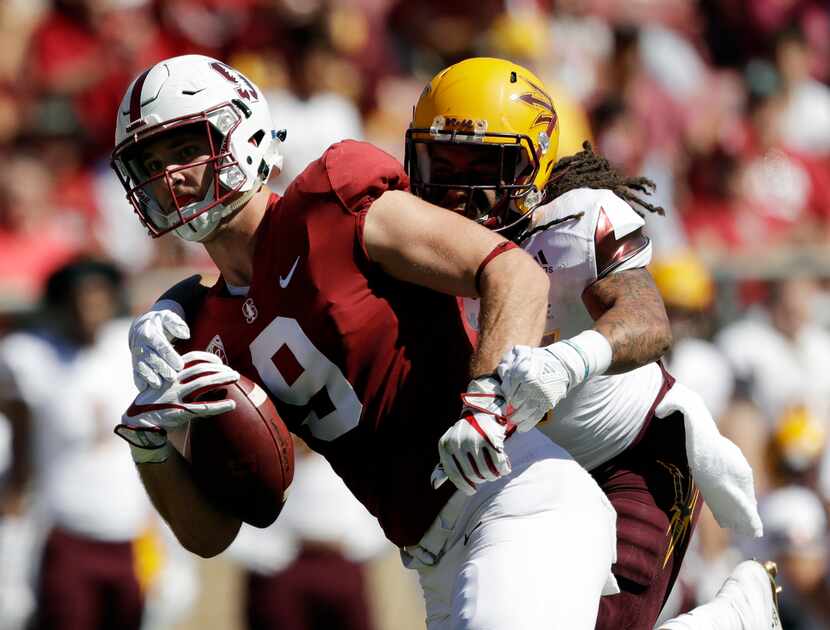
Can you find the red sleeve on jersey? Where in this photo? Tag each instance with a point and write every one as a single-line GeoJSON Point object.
{"type": "Point", "coordinates": [359, 173]}
{"type": "Point", "coordinates": [611, 252]}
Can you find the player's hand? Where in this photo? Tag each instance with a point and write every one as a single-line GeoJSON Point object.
{"type": "Point", "coordinates": [173, 405]}
{"type": "Point", "coordinates": [472, 450]}
{"type": "Point", "coordinates": [155, 411]}
{"type": "Point", "coordinates": [155, 360]}
{"type": "Point", "coordinates": [533, 381]}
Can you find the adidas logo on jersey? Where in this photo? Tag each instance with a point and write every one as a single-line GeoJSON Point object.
{"type": "Point", "coordinates": [543, 261]}
{"type": "Point", "coordinates": [218, 348]}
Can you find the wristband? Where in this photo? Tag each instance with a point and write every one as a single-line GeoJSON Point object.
{"type": "Point", "coordinates": [150, 455]}
{"type": "Point", "coordinates": [504, 246]}
{"type": "Point", "coordinates": [585, 355]}
{"type": "Point", "coordinates": [148, 445]}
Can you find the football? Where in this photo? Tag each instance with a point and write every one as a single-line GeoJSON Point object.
{"type": "Point", "coordinates": [243, 460]}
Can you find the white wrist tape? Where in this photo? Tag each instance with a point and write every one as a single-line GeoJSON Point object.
{"type": "Point", "coordinates": [584, 355]}
{"type": "Point", "coordinates": [150, 455]}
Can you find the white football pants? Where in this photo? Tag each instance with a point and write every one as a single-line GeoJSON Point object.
{"type": "Point", "coordinates": [532, 550]}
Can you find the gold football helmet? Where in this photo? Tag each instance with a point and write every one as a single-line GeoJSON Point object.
{"type": "Point", "coordinates": [483, 141]}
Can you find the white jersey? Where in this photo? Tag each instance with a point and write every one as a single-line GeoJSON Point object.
{"type": "Point", "coordinates": [575, 244]}
{"type": "Point", "coordinates": [84, 478]}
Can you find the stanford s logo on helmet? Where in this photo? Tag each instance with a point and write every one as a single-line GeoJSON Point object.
{"type": "Point", "coordinates": [248, 92]}
{"type": "Point", "coordinates": [196, 93]}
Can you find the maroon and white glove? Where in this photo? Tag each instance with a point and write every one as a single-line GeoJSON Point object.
{"type": "Point", "coordinates": [155, 411]}
{"type": "Point", "coordinates": [472, 450]}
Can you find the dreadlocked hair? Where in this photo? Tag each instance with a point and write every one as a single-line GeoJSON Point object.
{"type": "Point", "coordinates": [587, 169]}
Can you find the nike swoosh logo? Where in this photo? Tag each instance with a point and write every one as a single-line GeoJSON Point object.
{"type": "Point", "coordinates": [284, 281]}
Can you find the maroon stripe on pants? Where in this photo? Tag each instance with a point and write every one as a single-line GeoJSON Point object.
{"type": "Point", "coordinates": [87, 585]}
{"type": "Point", "coordinates": [658, 505]}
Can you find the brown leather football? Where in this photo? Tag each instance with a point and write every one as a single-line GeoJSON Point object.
{"type": "Point", "coordinates": [243, 460]}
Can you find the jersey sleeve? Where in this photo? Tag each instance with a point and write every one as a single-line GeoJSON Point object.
{"type": "Point", "coordinates": [619, 241]}
{"type": "Point", "coordinates": [359, 173]}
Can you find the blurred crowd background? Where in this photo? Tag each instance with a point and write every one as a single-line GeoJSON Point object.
{"type": "Point", "coordinates": [725, 104]}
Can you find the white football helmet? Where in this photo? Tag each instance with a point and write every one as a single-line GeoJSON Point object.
{"type": "Point", "coordinates": [196, 90]}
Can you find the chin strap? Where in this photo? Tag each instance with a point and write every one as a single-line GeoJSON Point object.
{"type": "Point", "coordinates": [189, 231]}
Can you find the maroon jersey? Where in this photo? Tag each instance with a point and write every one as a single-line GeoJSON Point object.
{"type": "Point", "coordinates": [365, 368]}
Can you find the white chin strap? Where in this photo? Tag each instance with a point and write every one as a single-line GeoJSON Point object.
{"type": "Point", "coordinates": [203, 226]}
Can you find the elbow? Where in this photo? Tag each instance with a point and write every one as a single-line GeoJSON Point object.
{"type": "Point", "coordinates": [665, 342]}
{"type": "Point", "coordinates": [663, 338]}
{"type": "Point", "coordinates": [209, 544]}
{"type": "Point", "coordinates": [205, 548]}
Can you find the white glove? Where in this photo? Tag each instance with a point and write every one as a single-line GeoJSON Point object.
{"type": "Point", "coordinates": [534, 380]}
{"type": "Point", "coordinates": [472, 450]}
{"type": "Point", "coordinates": [154, 358]}
{"type": "Point", "coordinates": [155, 411]}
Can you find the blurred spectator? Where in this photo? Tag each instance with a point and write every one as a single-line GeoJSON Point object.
{"type": "Point", "coordinates": [780, 357]}
{"type": "Point", "coordinates": [688, 292]}
{"type": "Point", "coordinates": [34, 239]}
{"type": "Point", "coordinates": [61, 384]}
{"type": "Point", "coordinates": [317, 105]}
{"type": "Point", "coordinates": [796, 445]}
{"type": "Point", "coordinates": [307, 571]}
{"type": "Point", "coordinates": [84, 53]}
{"type": "Point", "coordinates": [796, 538]}
{"type": "Point", "coordinates": [804, 98]}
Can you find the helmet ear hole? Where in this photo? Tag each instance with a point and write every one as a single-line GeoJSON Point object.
{"type": "Point", "coordinates": [256, 139]}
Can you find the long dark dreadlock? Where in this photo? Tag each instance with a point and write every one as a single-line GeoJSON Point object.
{"type": "Point", "coordinates": [587, 169]}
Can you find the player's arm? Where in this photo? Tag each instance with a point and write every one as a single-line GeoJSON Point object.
{"type": "Point", "coordinates": [199, 527]}
{"type": "Point", "coordinates": [426, 245]}
{"type": "Point", "coordinates": [415, 241]}
{"type": "Point", "coordinates": [631, 327]}
{"type": "Point", "coordinates": [628, 311]}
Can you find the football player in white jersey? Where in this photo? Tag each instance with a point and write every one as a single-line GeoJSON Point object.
{"type": "Point", "coordinates": [478, 145]}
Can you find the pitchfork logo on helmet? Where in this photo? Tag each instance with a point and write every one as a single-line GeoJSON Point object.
{"type": "Point", "coordinates": [538, 98]}
{"type": "Point", "coordinates": [483, 111]}
{"type": "Point", "coordinates": [205, 96]}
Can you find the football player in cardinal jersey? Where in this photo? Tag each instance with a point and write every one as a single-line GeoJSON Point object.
{"type": "Point", "coordinates": [483, 142]}
{"type": "Point", "coordinates": [339, 299]}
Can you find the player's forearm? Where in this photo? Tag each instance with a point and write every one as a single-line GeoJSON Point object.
{"type": "Point", "coordinates": [514, 292]}
{"type": "Point", "coordinates": [636, 324]}
{"type": "Point", "coordinates": [199, 527]}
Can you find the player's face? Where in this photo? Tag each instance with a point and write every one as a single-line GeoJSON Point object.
{"type": "Point", "coordinates": [460, 165]}
{"type": "Point", "coordinates": [184, 157]}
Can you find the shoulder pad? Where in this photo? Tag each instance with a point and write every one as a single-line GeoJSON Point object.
{"type": "Point", "coordinates": [359, 173]}
{"type": "Point", "coordinates": [621, 217]}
